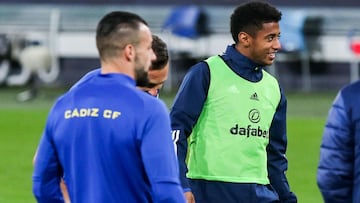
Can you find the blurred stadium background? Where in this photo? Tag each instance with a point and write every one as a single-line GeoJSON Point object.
{"type": "Point", "coordinates": [47, 45]}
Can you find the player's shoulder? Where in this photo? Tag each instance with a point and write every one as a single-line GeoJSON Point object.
{"type": "Point", "coordinates": [199, 68]}
{"type": "Point", "coordinates": [149, 104]}
{"type": "Point", "coordinates": [352, 88]}
{"type": "Point", "coordinates": [86, 77]}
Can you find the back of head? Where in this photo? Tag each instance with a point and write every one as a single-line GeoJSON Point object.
{"type": "Point", "coordinates": [250, 17]}
{"type": "Point", "coordinates": [115, 30]}
{"type": "Point", "coordinates": [162, 56]}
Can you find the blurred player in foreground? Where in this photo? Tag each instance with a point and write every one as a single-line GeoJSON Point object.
{"type": "Point", "coordinates": [106, 138]}
{"type": "Point", "coordinates": [150, 83]}
{"type": "Point", "coordinates": [338, 173]}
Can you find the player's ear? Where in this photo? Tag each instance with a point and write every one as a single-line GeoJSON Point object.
{"type": "Point", "coordinates": [129, 52]}
{"type": "Point", "coordinates": [244, 39]}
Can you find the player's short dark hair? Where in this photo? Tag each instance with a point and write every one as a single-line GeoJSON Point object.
{"type": "Point", "coordinates": [249, 17]}
{"type": "Point", "coordinates": [115, 30]}
{"type": "Point", "coordinates": [162, 56]}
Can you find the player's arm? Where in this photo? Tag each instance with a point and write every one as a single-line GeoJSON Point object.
{"type": "Point", "coordinates": [159, 157]}
{"type": "Point", "coordinates": [277, 162]}
{"type": "Point", "coordinates": [47, 172]}
{"type": "Point", "coordinates": [336, 164]}
{"type": "Point", "coordinates": [62, 184]}
{"type": "Point", "coordinates": [185, 112]}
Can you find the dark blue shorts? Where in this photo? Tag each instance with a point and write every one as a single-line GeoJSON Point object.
{"type": "Point", "coordinates": [223, 192]}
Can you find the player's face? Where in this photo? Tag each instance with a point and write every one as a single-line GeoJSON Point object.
{"type": "Point", "coordinates": [156, 80]}
{"type": "Point", "coordinates": [143, 52]}
{"type": "Point", "coordinates": [265, 44]}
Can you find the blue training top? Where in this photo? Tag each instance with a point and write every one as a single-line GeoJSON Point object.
{"type": "Point", "coordinates": [110, 142]}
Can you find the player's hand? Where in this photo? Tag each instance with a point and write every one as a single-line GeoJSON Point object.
{"type": "Point", "coordinates": [64, 191]}
{"type": "Point", "coordinates": [189, 197]}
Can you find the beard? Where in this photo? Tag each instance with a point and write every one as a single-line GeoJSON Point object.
{"type": "Point", "coordinates": [141, 78]}
{"type": "Point", "coordinates": [141, 72]}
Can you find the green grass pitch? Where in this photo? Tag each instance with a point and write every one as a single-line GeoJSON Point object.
{"type": "Point", "coordinates": [21, 124]}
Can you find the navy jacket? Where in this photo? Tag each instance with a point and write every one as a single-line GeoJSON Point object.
{"type": "Point", "coordinates": [338, 174]}
{"type": "Point", "coordinates": [188, 105]}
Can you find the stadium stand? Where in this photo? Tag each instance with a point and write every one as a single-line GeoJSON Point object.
{"type": "Point", "coordinates": [321, 34]}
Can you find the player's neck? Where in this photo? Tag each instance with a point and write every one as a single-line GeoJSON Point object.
{"type": "Point", "coordinates": [117, 66]}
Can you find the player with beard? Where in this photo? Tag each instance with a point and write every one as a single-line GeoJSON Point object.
{"type": "Point", "coordinates": [150, 82]}
{"type": "Point", "coordinates": [153, 80]}
{"type": "Point", "coordinates": [108, 140]}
